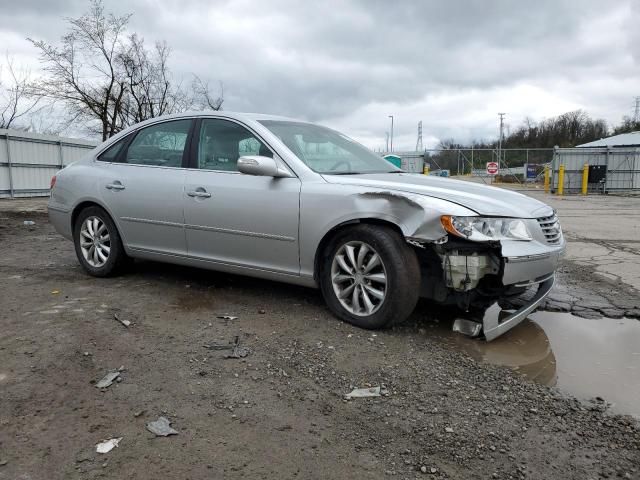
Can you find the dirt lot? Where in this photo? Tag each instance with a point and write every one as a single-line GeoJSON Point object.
{"type": "Point", "coordinates": [279, 412]}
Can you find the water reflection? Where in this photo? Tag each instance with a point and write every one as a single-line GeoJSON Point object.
{"type": "Point", "coordinates": [596, 357]}
{"type": "Point", "coordinates": [525, 349]}
{"type": "Point", "coordinates": [586, 358]}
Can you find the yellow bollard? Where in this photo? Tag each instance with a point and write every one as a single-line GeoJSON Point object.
{"type": "Point", "coordinates": [585, 179]}
{"type": "Point", "coordinates": [425, 169]}
{"type": "Point", "coordinates": [560, 190]}
{"type": "Point", "coordinates": [547, 175]}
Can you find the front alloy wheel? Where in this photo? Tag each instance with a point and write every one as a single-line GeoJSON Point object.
{"type": "Point", "coordinates": [369, 276]}
{"type": "Point", "coordinates": [359, 278]}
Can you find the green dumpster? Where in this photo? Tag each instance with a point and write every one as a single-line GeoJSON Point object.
{"type": "Point", "coordinates": [394, 160]}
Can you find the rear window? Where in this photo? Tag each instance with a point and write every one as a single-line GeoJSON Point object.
{"type": "Point", "coordinates": [111, 153]}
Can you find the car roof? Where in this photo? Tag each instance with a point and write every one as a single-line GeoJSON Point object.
{"type": "Point", "coordinates": [240, 116]}
{"type": "Point", "coordinates": [226, 114]}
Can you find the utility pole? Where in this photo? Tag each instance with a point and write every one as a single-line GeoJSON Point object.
{"type": "Point", "coordinates": [500, 139]}
{"type": "Point", "coordinates": [386, 139]}
{"type": "Point", "coordinates": [391, 141]}
{"type": "Point", "coordinates": [636, 112]}
{"type": "Point", "coordinates": [419, 146]}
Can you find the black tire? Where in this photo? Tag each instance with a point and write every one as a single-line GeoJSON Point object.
{"type": "Point", "coordinates": [402, 272]}
{"type": "Point", "coordinates": [117, 259]}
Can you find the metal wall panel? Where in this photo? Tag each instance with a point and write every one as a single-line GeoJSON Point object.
{"type": "Point", "coordinates": [28, 161]}
{"type": "Point", "coordinates": [623, 168]}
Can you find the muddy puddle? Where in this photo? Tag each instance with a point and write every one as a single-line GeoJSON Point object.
{"type": "Point", "coordinates": [586, 358]}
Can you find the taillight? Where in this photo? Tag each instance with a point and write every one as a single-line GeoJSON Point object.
{"type": "Point", "coordinates": [53, 182]}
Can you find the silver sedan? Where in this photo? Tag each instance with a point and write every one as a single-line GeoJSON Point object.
{"type": "Point", "coordinates": [288, 200]}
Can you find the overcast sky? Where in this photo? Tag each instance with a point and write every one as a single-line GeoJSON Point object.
{"type": "Point", "coordinates": [349, 64]}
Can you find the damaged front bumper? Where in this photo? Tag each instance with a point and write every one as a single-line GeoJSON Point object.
{"type": "Point", "coordinates": [494, 323]}
{"type": "Point", "coordinates": [479, 278]}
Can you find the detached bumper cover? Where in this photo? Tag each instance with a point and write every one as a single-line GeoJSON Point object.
{"type": "Point", "coordinates": [495, 323]}
{"type": "Point", "coordinates": [493, 326]}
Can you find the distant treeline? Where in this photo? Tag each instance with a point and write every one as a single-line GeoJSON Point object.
{"type": "Point", "coordinates": [566, 130]}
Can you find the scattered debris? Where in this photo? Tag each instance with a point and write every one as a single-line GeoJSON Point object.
{"type": "Point", "coordinates": [108, 379]}
{"type": "Point", "coordinates": [108, 445]}
{"type": "Point", "coordinates": [161, 427]}
{"type": "Point", "coordinates": [448, 429]}
{"type": "Point", "coordinates": [138, 413]}
{"type": "Point", "coordinates": [363, 392]}
{"type": "Point", "coordinates": [55, 292]}
{"type": "Point", "coordinates": [3, 463]}
{"type": "Point", "coordinates": [219, 346]}
{"type": "Point", "coordinates": [227, 317]}
{"type": "Point", "coordinates": [237, 350]}
{"type": "Point", "coordinates": [28, 223]}
{"type": "Point", "coordinates": [126, 323]}
{"type": "Point", "coordinates": [262, 311]}
{"type": "Point", "coordinates": [467, 327]}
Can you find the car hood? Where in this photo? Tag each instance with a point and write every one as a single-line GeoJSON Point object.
{"type": "Point", "coordinates": [482, 199]}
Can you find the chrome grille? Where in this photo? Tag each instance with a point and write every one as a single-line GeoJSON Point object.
{"type": "Point", "coordinates": [551, 229]}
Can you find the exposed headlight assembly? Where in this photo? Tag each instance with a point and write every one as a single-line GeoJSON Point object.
{"type": "Point", "coordinates": [485, 229]}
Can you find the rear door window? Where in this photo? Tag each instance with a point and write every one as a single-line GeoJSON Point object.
{"type": "Point", "coordinates": [159, 145]}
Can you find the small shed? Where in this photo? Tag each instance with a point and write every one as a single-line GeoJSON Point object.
{"type": "Point", "coordinates": [613, 162]}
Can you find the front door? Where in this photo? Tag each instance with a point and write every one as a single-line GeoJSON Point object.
{"type": "Point", "coordinates": [144, 187]}
{"type": "Point", "coordinates": [237, 219]}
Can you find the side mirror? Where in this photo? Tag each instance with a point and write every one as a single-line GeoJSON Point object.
{"type": "Point", "coordinates": [261, 166]}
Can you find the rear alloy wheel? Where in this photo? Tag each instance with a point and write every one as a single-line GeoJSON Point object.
{"type": "Point", "coordinates": [370, 276]}
{"type": "Point", "coordinates": [95, 242]}
{"type": "Point", "coordinates": [98, 245]}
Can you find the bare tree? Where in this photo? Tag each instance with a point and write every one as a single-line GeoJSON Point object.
{"type": "Point", "coordinates": [15, 102]}
{"type": "Point", "coordinates": [203, 97]}
{"type": "Point", "coordinates": [110, 80]}
{"type": "Point", "coordinates": [151, 90]}
{"type": "Point", "coordinates": [83, 71]}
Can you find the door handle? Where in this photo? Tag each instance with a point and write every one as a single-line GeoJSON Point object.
{"type": "Point", "coordinates": [115, 186]}
{"type": "Point", "coordinates": [199, 193]}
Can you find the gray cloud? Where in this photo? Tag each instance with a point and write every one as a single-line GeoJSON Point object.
{"type": "Point", "coordinates": [453, 65]}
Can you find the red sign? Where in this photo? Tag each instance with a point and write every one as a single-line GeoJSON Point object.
{"type": "Point", "coordinates": [492, 168]}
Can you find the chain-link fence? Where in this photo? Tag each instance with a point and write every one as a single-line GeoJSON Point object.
{"type": "Point", "coordinates": [516, 164]}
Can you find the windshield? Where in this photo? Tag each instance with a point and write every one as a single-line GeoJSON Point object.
{"type": "Point", "coordinates": [327, 151]}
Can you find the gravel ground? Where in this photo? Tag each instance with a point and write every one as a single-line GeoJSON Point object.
{"type": "Point", "coordinates": [280, 412]}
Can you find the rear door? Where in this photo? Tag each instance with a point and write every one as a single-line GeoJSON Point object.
{"type": "Point", "coordinates": [238, 219]}
{"type": "Point", "coordinates": [144, 185]}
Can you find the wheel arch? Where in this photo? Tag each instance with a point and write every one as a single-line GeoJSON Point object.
{"type": "Point", "coordinates": [86, 203]}
{"type": "Point", "coordinates": [317, 261]}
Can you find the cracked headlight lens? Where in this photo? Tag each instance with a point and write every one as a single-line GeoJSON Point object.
{"type": "Point", "coordinates": [484, 229]}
